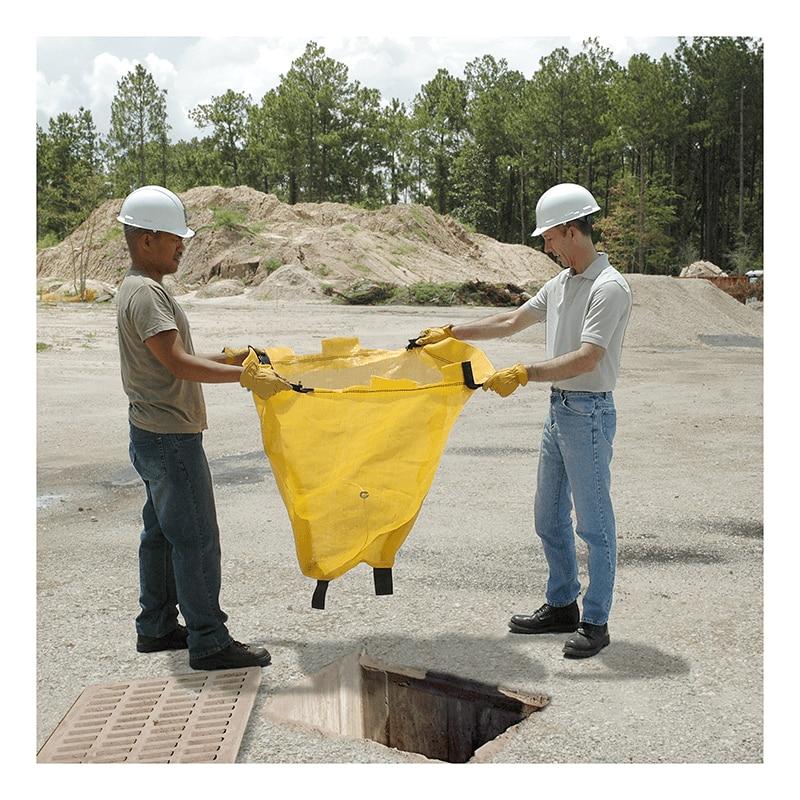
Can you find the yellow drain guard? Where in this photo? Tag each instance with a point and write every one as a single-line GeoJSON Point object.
{"type": "Point", "coordinates": [355, 447]}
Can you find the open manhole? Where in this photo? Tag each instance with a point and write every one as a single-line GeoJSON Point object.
{"type": "Point", "coordinates": [437, 715]}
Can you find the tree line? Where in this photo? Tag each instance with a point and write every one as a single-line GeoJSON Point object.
{"type": "Point", "coordinates": [671, 148]}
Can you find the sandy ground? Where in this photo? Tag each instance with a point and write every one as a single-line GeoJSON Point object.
{"type": "Point", "coordinates": [682, 679]}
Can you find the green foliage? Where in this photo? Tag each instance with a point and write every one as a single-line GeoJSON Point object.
{"type": "Point", "coordinates": [42, 346]}
{"type": "Point", "coordinates": [743, 256]}
{"type": "Point", "coordinates": [69, 184]}
{"type": "Point", "coordinates": [113, 234]}
{"type": "Point", "coordinates": [431, 294]}
{"type": "Point", "coordinates": [629, 234]}
{"type": "Point", "coordinates": [226, 115]}
{"type": "Point", "coordinates": [271, 264]}
{"type": "Point", "coordinates": [48, 240]}
{"type": "Point", "coordinates": [404, 249]}
{"type": "Point", "coordinates": [232, 218]}
{"type": "Point", "coordinates": [367, 292]}
{"type": "Point", "coordinates": [138, 141]}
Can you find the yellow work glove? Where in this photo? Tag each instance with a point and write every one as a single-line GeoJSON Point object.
{"type": "Point", "coordinates": [235, 355]}
{"type": "Point", "coordinates": [504, 381]}
{"type": "Point", "coordinates": [262, 380]}
{"type": "Point", "coordinates": [433, 335]}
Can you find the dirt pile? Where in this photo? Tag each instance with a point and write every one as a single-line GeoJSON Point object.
{"type": "Point", "coordinates": [668, 312]}
{"type": "Point", "coordinates": [245, 234]}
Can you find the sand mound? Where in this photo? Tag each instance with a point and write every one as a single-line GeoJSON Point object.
{"type": "Point", "coordinates": [243, 233]}
{"type": "Point", "coordinates": [289, 282]}
{"type": "Point", "coordinates": [227, 287]}
{"type": "Point", "coordinates": [668, 312]}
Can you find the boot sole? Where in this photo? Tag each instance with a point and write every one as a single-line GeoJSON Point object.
{"type": "Point", "coordinates": [264, 662]}
{"type": "Point", "coordinates": [585, 653]}
{"type": "Point", "coordinates": [555, 629]}
{"type": "Point", "coordinates": [150, 649]}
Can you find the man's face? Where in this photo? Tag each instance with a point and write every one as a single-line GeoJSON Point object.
{"type": "Point", "coordinates": [166, 250]}
{"type": "Point", "coordinates": [558, 243]}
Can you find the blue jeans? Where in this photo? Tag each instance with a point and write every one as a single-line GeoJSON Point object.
{"type": "Point", "coordinates": [575, 468]}
{"type": "Point", "coordinates": [179, 550]}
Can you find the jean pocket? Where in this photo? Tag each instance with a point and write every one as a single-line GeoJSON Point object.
{"type": "Point", "coordinates": [579, 404]}
{"type": "Point", "coordinates": [608, 424]}
{"type": "Point", "coordinates": [147, 457]}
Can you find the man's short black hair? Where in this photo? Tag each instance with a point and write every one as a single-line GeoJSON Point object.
{"type": "Point", "coordinates": [133, 234]}
{"type": "Point", "coordinates": [583, 224]}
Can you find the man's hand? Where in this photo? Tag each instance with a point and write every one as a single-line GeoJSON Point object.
{"type": "Point", "coordinates": [235, 355]}
{"type": "Point", "coordinates": [433, 335]}
{"type": "Point", "coordinates": [262, 380]}
{"type": "Point", "coordinates": [505, 381]}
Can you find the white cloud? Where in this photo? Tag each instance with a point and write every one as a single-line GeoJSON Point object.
{"type": "Point", "coordinates": [55, 96]}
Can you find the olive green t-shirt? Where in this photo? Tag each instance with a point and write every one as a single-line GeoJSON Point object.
{"type": "Point", "coordinates": [158, 401]}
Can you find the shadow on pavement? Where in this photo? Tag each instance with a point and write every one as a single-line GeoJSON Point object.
{"type": "Point", "coordinates": [490, 660]}
{"type": "Point", "coordinates": [626, 660]}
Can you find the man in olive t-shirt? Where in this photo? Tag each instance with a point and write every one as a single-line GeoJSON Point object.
{"type": "Point", "coordinates": [179, 550]}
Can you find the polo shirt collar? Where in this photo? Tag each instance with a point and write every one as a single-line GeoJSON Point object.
{"type": "Point", "coordinates": [594, 269]}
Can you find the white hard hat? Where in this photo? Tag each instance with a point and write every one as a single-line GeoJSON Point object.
{"type": "Point", "coordinates": [155, 208]}
{"type": "Point", "coordinates": [562, 203]}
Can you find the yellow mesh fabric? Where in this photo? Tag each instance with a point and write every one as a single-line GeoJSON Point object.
{"type": "Point", "coordinates": [354, 459]}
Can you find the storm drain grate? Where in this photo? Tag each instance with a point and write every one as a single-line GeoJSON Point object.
{"type": "Point", "coordinates": [436, 715]}
{"type": "Point", "coordinates": [179, 719]}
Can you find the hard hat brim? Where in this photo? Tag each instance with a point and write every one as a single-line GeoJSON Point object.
{"type": "Point", "coordinates": [187, 234]}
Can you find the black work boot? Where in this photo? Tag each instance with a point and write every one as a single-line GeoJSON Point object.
{"type": "Point", "coordinates": [587, 641]}
{"type": "Point", "coordinates": [235, 656]}
{"type": "Point", "coordinates": [547, 619]}
{"type": "Point", "coordinates": [174, 640]}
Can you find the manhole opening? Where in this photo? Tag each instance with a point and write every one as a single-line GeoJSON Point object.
{"type": "Point", "coordinates": [437, 715]}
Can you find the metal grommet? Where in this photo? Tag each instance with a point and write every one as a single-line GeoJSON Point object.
{"type": "Point", "coordinates": [364, 495]}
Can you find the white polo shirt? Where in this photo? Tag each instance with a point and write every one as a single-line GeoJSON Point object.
{"type": "Point", "coordinates": [592, 306]}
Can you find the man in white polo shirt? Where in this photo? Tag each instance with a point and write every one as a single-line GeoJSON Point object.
{"type": "Point", "coordinates": [585, 309]}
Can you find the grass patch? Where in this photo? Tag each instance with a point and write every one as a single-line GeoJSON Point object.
{"type": "Point", "coordinates": [48, 240]}
{"type": "Point", "coordinates": [349, 227]}
{"type": "Point", "coordinates": [271, 264]}
{"type": "Point", "coordinates": [477, 293]}
{"type": "Point", "coordinates": [232, 218]}
{"type": "Point", "coordinates": [42, 346]}
{"type": "Point", "coordinates": [418, 215]}
{"type": "Point", "coordinates": [404, 250]}
{"type": "Point", "coordinates": [361, 267]}
{"type": "Point", "coordinates": [429, 294]}
{"type": "Point", "coordinates": [112, 234]}
{"type": "Point", "coordinates": [322, 270]}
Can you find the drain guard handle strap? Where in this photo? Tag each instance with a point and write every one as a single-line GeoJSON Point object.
{"type": "Point", "coordinates": [318, 600]}
{"type": "Point", "coordinates": [383, 580]}
{"type": "Point", "coordinates": [469, 379]}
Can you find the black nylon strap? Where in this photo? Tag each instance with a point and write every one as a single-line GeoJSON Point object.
{"type": "Point", "coordinates": [469, 380]}
{"type": "Point", "coordinates": [318, 600]}
{"type": "Point", "coordinates": [383, 580]}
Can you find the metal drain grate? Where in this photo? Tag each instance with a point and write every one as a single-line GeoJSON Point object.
{"type": "Point", "coordinates": [180, 719]}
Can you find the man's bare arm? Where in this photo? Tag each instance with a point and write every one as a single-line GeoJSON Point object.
{"type": "Point", "coordinates": [497, 326]}
{"type": "Point", "coordinates": [570, 365]}
{"type": "Point", "coordinates": [168, 348]}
